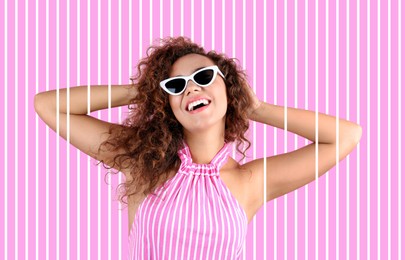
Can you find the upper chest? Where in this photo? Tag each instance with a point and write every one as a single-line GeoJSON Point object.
{"type": "Point", "coordinates": [232, 178]}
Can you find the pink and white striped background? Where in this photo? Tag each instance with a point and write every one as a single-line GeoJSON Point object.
{"type": "Point", "coordinates": [342, 58]}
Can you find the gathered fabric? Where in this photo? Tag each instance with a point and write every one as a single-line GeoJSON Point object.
{"type": "Point", "coordinates": [193, 215]}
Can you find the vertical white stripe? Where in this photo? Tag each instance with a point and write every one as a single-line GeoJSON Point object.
{"type": "Point", "coordinates": [306, 107]}
{"type": "Point", "coordinates": [254, 64]}
{"type": "Point", "coordinates": [172, 18]}
{"type": "Point", "coordinates": [182, 17]}
{"type": "Point", "coordinates": [88, 111]}
{"type": "Point", "coordinates": [78, 175]}
{"type": "Point", "coordinates": [399, 130]}
{"type": "Point", "coordinates": [348, 67]}
{"type": "Point", "coordinates": [243, 34]}
{"type": "Point", "coordinates": [36, 136]}
{"type": "Point", "coordinates": [16, 127]}
{"type": "Point", "coordinates": [140, 11]}
{"type": "Point", "coordinates": [274, 130]}
{"type": "Point", "coordinates": [337, 131]}
{"type": "Point", "coordinates": [327, 112]}
{"type": "Point", "coordinates": [47, 137]}
{"type": "Point", "coordinates": [6, 130]}
{"type": "Point", "coordinates": [275, 229]}
{"type": "Point", "coordinates": [202, 21]}
{"type": "Point", "coordinates": [57, 134]}
{"type": "Point", "coordinates": [161, 19]}
{"type": "Point", "coordinates": [212, 24]}
{"type": "Point", "coordinates": [285, 126]}
{"type": "Point", "coordinates": [233, 55]}
{"type": "Point", "coordinates": [150, 22]}
{"type": "Point", "coordinates": [192, 19]}
{"type": "Point", "coordinates": [378, 130]}
{"type": "Point", "coordinates": [68, 130]}
{"type": "Point", "coordinates": [223, 26]}
{"type": "Point", "coordinates": [306, 67]}
{"type": "Point", "coordinates": [254, 123]}
{"type": "Point", "coordinates": [389, 130]}
{"type": "Point", "coordinates": [285, 82]}
{"type": "Point", "coordinates": [295, 137]}
{"type": "Point", "coordinates": [358, 122]}
{"type": "Point", "coordinates": [129, 40]}
{"type": "Point", "coordinates": [78, 172]}
{"type": "Point", "coordinates": [264, 129]}
{"type": "Point", "coordinates": [243, 48]}
{"type": "Point", "coordinates": [109, 120]}
{"type": "Point", "coordinates": [140, 28]}
{"type": "Point", "coordinates": [316, 130]}
{"type": "Point", "coordinates": [26, 127]}
{"type": "Point", "coordinates": [244, 39]}
{"type": "Point", "coordinates": [99, 117]}
{"type": "Point", "coordinates": [119, 242]}
{"type": "Point", "coordinates": [368, 130]}
{"type": "Point", "coordinates": [233, 28]}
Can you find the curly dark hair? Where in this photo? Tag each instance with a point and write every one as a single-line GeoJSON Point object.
{"type": "Point", "coordinates": [151, 134]}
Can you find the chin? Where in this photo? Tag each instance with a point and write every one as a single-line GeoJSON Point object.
{"type": "Point", "coordinates": [203, 125]}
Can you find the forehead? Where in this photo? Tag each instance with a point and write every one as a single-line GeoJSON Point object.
{"type": "Point", "coordinates": [189, 63]}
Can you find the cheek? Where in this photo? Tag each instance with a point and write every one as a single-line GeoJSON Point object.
{"type": "Point", "coordinates": [174, 102]}
{"type": "Point", "coordinates": [224, 96]}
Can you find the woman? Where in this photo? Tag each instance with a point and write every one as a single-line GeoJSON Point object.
{"type": "Point", "coordinates": [187, 199]}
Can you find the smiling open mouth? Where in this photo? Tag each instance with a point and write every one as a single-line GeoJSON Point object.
{"type": "Point", "coordinates": [197, 104]}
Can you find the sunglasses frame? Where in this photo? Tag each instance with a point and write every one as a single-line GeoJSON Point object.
{"type": "Point", "coordinates": [191, 77]}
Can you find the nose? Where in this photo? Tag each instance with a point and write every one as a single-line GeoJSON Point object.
{"type": "Point", "coordinates": [192, 87]}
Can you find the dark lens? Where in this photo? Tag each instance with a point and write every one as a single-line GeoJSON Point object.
{"type": "Point", "coordinates": [204, 77]}
{"type": "Point", "coordinates": [176, 85]}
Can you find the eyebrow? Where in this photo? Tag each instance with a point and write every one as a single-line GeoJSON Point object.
{"type": "Point", "coordinates": [192, 72]}
{"type": "Point", "coordinates": [199, 68]}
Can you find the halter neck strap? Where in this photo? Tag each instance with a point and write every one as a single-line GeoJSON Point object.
{"type": "Point", "coordinates": [189, 167]}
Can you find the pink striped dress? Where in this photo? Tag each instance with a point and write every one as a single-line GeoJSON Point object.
{"type": "Point", "coordinates": [193, 216]}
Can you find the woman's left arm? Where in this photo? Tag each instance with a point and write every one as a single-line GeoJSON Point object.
{"type": "Point", "coordinates": [290, 171]}
{"type": "Point", "coordinates": [302, 122]}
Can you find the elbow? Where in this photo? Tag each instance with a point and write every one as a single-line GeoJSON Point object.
{"type": "Point", "coordinates": [39, 103]}
{"type": "Point", "coordinates": [350, 140]}
{"type": "Point", "coordinates": [42, 104]}
{"type": "Point", "coordinates": [350, 134]}
{"type": "Point", "coordinates": [357, 133]}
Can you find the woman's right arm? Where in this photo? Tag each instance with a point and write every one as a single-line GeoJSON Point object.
{"type": "Point", "coordinates": [86, 132]}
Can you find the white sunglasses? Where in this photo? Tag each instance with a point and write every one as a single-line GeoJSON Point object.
{"type": "Point", "coordinates": [202, 77]}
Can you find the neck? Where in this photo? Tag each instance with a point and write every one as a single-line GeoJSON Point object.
{"type": "Point", "coordinates": [205, 145]}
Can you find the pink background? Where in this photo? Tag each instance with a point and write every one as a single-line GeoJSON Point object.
{"type": "Point", "coordinates": [55, 201]}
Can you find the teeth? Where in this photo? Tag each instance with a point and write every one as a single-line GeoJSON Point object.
{"type": "Point", "coordinates": [196, 103]}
